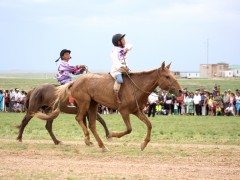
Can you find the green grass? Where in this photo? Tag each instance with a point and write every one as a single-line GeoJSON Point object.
{"type": "Point", "coordinates": [225, 84]}
{"type": "Point", "coordinates": [166, 129]}
{"type": "Point", "coordinates": [28, 81]}
{"type": "Point", "coordinates": [23, 84]}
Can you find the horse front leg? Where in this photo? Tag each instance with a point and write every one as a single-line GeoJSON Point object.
{"type": "Point", "coordinates": [143, 118]}
{"type": "Point", "coordinates": [92, 125]}
{"type": "Point", "coordinates": [127, 122]}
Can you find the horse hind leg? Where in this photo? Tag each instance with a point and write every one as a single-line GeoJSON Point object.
{"type": "Point", "coordinates": [80, 118]}
{"type": "Point", "coordinates": [103, 123]}
{"type": "Point", "coordinates": [92, 125]}
{"type": "Point", "coordinates": [22, 126]}
{"type": "Point", "coordinates": [101, 120]}
{"type": "Point", "coordinates": [48, 126]}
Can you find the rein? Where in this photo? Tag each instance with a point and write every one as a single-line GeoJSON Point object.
{"type": "Point", "coordinates": [134, 92]}
{"type": "Point", "coordinates": [147, 92]}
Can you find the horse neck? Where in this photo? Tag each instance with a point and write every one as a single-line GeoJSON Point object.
{"type": "Point", "coordinates": [146, 81]}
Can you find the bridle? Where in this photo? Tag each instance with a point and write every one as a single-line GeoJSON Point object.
{"type": "Point", "coordinates": [171, 84]}
{"type": "Point", "coordinates": [147, 92]}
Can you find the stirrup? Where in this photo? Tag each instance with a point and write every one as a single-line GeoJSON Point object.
{"type": "Point", "coordinates": [71, 105]}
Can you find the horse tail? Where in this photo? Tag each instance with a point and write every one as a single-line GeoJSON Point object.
{"type": "Point", "coordinates": [27, 99]}
{"type": "Point", "coordinates": [63, 92]}
{"type": "Point", "coordinates": [49, 116]}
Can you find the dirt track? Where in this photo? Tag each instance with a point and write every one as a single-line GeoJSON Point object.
{"type": "Point", "coordinates": [199, 162]}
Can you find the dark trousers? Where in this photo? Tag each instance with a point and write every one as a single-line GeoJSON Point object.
{"type": "Point", "coordinates": [152, 109]}
{"type": "Point", "coordinates": [180, 108]}
{"type": "Point", "coordinates": [198, 109]}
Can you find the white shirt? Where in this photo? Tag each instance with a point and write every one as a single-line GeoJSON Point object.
{"type": "Point", "coordinates": [237, 98]}
{"type": "Point", "coordinates": [152, 98]}
{"type": "Point", "coordinates": [230, 109]}
{"type": "Point", "coordinates": [18, 96]}
{"type": "Point", "coordinates": [118, 59]}
{"type": "Point", "coordinates": [197, 99]}
{"type": "Point", "coordinates": [12, 96]}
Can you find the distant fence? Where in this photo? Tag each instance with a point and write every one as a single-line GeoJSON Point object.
{"type": "Point", "coordinates": [28, 75]}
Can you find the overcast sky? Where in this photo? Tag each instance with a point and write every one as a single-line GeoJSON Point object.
{"type": "Point", "coordinates": [33, 32]}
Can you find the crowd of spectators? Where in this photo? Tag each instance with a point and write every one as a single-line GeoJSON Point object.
{"type": "Point", "coordinates": [12, 100]}
{"type": "Point", "coordinates": [200, 102]}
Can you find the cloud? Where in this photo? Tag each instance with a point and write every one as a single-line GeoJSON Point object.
{"type": "Point", "coordinates": [202, 11]}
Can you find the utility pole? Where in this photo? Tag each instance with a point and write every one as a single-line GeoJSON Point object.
{"type": "Point", "coordinates": [207, 56]}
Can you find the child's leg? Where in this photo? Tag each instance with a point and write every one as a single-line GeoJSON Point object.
{"type": "Point", "coordinates": [71, 101]}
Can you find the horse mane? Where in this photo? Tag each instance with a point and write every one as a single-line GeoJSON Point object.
{"type": "Point", "coordinates": [101, 75]}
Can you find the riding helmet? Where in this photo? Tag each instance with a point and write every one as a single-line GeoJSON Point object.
{"type": "Point", "coordinates": [64, 51]}
{"type": "Point", "coordinates": [62, 54]}
{"type": "Point", "coordinates": [116, 38]}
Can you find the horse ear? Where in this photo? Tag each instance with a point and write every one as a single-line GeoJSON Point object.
{"type": "Point", "coordinates": [163, 65]}
{"type": "Point", "coordinates": [168, 66]}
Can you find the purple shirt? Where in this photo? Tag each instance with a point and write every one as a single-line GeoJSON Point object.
{"type": "Point", "coordinates": [64, 72]}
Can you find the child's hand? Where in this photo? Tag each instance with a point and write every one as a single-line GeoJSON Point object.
{"type": "Point", "coordinates": [125, 69]}
{"type": "Point", "coordinates": [125, 52]}
{"type": "Point", "coordinates": [82, 68]}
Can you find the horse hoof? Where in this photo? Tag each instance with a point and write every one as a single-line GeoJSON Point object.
{"type": "Point", "coordinates": [143, 145]}
{"type": "Point", "coordinates": [58, 143]}
{"type": "Point", "coordinates": [105, 149]}
{"type": "Point", "coordinates": [19, 140]}
{"type": "Point", "coordinates": [88, 143]}
{"type": "Point", "coordinates": [109, 138]}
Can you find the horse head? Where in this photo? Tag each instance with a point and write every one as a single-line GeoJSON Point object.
{"type": "Point", "coordinates": [167, 81]}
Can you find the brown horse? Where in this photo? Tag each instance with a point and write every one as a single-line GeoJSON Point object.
{"type": "Point", "coordinates": [41, 99]}
{"type": "Point", "coordinates": [91, 89]}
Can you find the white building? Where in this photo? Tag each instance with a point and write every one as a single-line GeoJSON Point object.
{"type": "Point", "coordinates": [236, 72]}
{"type": "Point", "coordinates": [190, 75]}
{"type": "Point", "coordinates": [227, 73]}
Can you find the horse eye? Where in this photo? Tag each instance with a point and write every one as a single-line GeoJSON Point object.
{"type": "Point", "coordinates": [168, 77]}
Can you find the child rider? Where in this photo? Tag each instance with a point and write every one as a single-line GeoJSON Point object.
{"type": "Point", "coordinates": [119, 61]}
{"type": "Point", "coordinates": [65, 69]}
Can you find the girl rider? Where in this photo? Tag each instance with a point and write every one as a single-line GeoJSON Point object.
{"type": "Point", "coordinates": [119, 63]}
{"type": "Point", "coordinates": [65, 69]}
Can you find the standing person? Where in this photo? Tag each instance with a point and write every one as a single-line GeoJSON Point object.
{"type": "Point", "coordinates": [180, 102]}
{"type": "Point", "coordinates": [237, 99]}
{"type": "Point", "coordinates": [210, 103]}
{"type": "Point", "coordinates": [1, 101]}
{"type": "Point", "coordinates": [190, 104]}
{"type": "Point", "coordinates": [176, 105]}
{"type": "Point", "coordinates": [152, 100]}
{"type": "Point", "coordinates": [169, 102]}
{"type": "Point", "coordinates": [18, 96]}
{"type": "Point", "coordinates": [203, 104]}
{"type": "Point", "coordinates": [197, 103]}
{"type": "Point", "coordinates": [7, 100]}
{"type": "Point", "coordinates": [12, 99]}
{"type": "Point", "coordinates": [225, 100]}
{"type": "Point", "coordinates": [65, 69]}
{"type": "Point", "coordinates": [232, 100]}
{"type": "Point", "coordinates": [119, 61]}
